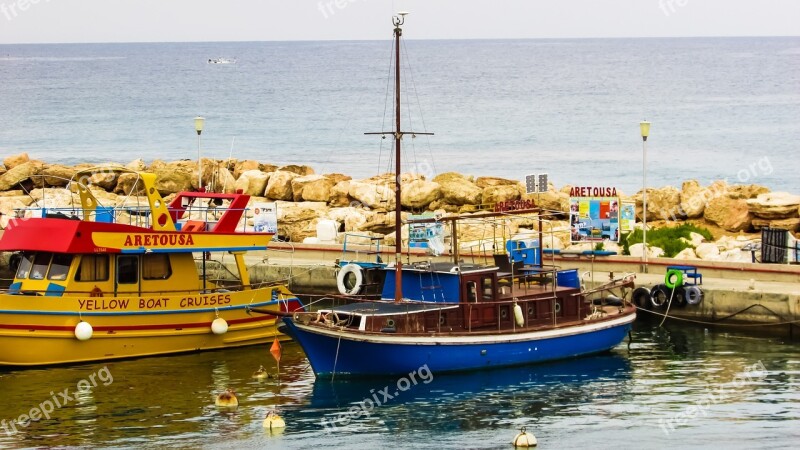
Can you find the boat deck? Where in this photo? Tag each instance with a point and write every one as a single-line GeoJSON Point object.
{"type": "Point", "coordinates": [388, 308]}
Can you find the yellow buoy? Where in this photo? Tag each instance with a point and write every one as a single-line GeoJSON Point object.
{"type": "Point", "coordinates": [274, 421]}
{"type": "Point", "coordinates": [524, 439]}
{"type": "Point", "coordinates": [227, 399]}
{"type": "Point", "coordinates": [261, 374]}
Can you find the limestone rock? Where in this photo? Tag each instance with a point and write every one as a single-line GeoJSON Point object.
{"type": "Point", "coordinates": [252, 182]}
{"type": "Point", "coordinates": [652, 252]}
{"type": "Point", "coordinates": [379, 222]}
{"type": "Point", "coordinates": [129, 184]}
{"type": "Point", "coordinates": [775, 205]}
{"type": "Point", "coordinates": [662, 204]}
{"type": "Point", "coordinates": [337, 177]}
{"type": "Point", "coordinates": [729, 214]}
{"type": "Point", "coordinates": [686, 254]}
{"type": "Point", "coordinates": [319, 190]}
{"type": "Point", "coordinates": [707, 251]}
{"type": "Point", "coordinates": [174, 177]}
{"type": "Point", "coordinates": [299, 183]}
{"type": "Point", "coordinates": [340, 194]}
{"type": "Point", "coordinates": [444, 206]}
{"type": "Point", "coordinates": [19, 173]}
{"type": "Point", "coordinates": [56, 175]}
{"type": "Point", "coordinates": [696, 239]}
{"type": "Point", "coordinates": [137, 165]}
{"type": "Point", "coordinates": [458, 190]}
{"type": "Point", "coordinates": [15, 160]}
{"type": "Point", "coordinates": [501, 193]}
{"type": "Point", "coordinates": [792, 224]}
{"type": "Point", "coordinates": [279, 186]}
{"type": "Point", "coordinates": [240, 167]}
{"type": "Point", "coordinates": [372, 195]}
{"type": "Point", "coordinates": [484, 182]}
{"type": "Point", "coordinates": [104, 177]}
{"type": "Point", "coordinates": [352, 218]}
{"type": "Point", "coordinates": [418, 194]}
{"type": "Point", "coordinates": [299, 170]}
{"type": "Point", "coordinates": [298, 221]}
{"type": "Point", "coordinates": [694, 198]}
{"type": "Point", "coordinates": [552, 200]}
{"type": "Point", "coordinates": [746, 191]}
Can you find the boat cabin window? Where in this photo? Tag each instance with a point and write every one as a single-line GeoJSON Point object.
{"type": "Point", "coordinates": [155, 266]}
{"type": "Point", "coordinates": [472, 291]}
{"type": "Point", "coordinates": [486, 283]}
{"type": "Point", "coordinates": [93, 268]}
{"type": "Point", "coordinates": [40, 263]}
{"type": "Point", "coordinates": [127, 269]}
{"type": "Point", "coordinates": [59, 267]}
{"type": "Point", "coordinates": [25, 264]}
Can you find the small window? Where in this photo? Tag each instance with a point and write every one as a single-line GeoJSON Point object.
{"type": "Point", "coordinates": [25, 265]}
{"type": "Point", "coordinates": [486, 285]}
{"type": "Point", "coordinates": [59, 267]}
{"type": "Point", "coordinates": [40, 263]}
{"type": "Point", "coordinates": [472, 294]}
{"type": "Point", "coordinates": [127, 269]}
{"type": "Point", "coordinates": [155, 266]}
{"type": "Point", "coordinates": [93, 268]}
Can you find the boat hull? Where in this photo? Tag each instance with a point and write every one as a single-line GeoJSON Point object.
{"type": "Point", "coordinates": [31, 336]}
{"type": "Point", "coordinates": [334, 352]}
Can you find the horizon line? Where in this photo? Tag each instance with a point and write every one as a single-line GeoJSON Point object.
{"type": "Point", "coordinates": [411, 39]}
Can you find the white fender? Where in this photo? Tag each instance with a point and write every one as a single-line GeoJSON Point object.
{"type": "Point", "coordinates": [518, 317]}
{"type": "Point", "coordinates": [357, 271]}
{"type": "Point", "coordinates": [219, 326]}
{"type": "Point", "coordinates": [83, 331]}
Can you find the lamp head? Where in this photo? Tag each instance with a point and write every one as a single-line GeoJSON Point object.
{"type": "Point", "coordinates": [644, 126]}
{"type": "Point", "coordinates": [198, 124]}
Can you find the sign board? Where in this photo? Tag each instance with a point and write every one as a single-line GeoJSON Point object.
{"type": "Point", "coordinates": [594, 218]}
{"type": "Point", "coordinates": [265, 217]}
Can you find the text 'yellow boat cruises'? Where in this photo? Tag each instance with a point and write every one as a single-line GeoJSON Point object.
{"type": "Point", "coordinates": [91, 288]}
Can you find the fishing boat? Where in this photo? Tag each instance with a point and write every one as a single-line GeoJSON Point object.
{"type": "Point", "coordinates": [458, 316]}
{"type": "Point", "coordinates": [96, 283]}
{"type": "Point", "coordinates": [222, 60]}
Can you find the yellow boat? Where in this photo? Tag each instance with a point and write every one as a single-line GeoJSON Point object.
{"type": "Point", "coordinates": [90, 289]}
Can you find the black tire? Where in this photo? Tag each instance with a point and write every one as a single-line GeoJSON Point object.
{"type": "Point", "coordinates": [659, 297]}
{"type": "Point", "coordinates": [641, 297]}
{"type": "Point", "coordinates": [679, 297]}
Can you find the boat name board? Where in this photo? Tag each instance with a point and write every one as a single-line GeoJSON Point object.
{"type": "Point", "coordinates": [139, 240]}
{"type": "Point", "coordinates": [592, 191]}
{"type": "Point", "coordinates": [102, 304]}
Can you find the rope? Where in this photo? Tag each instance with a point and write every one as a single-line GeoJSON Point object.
{"type": "Point", "coordinates": [336, 359]}
{"type": "Point", "coordinates": [669, 305]}
{"type": "Point", "coordinates": [717, 323]}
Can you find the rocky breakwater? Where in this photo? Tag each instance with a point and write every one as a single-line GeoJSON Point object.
{"type": "Point", "coordinates": [733, 213]}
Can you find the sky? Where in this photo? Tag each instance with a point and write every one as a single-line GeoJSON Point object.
{"type": "Point", "coordinates": [68, 21]}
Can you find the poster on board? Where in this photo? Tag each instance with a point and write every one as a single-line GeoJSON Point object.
{"type": "Point", "coordinates": [627, 217]}
{"type": "Point", "coordinates": [594, 214]}
{"type": "Point", "coordinates": [265, 217]}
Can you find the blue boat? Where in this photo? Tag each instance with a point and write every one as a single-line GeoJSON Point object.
{"type": "Point", "coordinates": [457, 316]}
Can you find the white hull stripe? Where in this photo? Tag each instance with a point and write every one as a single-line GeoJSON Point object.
{"type": "Point", "coordinates": [465, 339]}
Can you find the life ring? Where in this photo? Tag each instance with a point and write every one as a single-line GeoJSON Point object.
{"type": "Point", "coordinates": [693, 295]}
{"type": "Point", "coordinates": [659, 296]}
{"type": "Point", "coordinates": [641, 297]}
{"type": "Point", "coordinates": [678, 279]}
{"type": "Point", "coordinates": [350, 279]}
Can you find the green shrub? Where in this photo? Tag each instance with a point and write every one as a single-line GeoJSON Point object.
{"type": "Point", "coordinates": [667, 239]}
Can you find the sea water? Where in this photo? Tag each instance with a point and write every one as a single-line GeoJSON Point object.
{"type": "Point", "coordinates": [721, 108]}
{"type": "Point", "coordinates": [676, 386]}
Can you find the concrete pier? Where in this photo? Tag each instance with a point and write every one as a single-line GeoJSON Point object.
{"type": "Point", "coordinates": [734, 293]}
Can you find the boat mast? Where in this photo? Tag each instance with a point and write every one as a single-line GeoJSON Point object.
{"type": "Point", "coordinates": [398, 21]}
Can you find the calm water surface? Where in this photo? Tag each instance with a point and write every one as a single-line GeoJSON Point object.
{"type": "Point", "coordinates": [707, 384]}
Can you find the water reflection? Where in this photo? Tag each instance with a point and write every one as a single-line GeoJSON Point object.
{"type": "Point", "coordinates": [169, 401]}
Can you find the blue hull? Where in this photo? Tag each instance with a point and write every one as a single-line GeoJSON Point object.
{"type": "Point", "coordinates": [354, 354]}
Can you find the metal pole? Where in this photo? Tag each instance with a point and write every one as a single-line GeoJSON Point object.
{"type": "Point", "coordinates": [398, 280]}
{"type": "Point", "coordinates": [199, 165]}
{"type": "Point", "coordinates": [644, 203]}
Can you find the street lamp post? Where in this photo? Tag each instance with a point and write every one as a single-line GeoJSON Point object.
{"type": "Point", "coordinates": [198, 126]}
{"type": "Point", "coordinates": [644, 126]}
